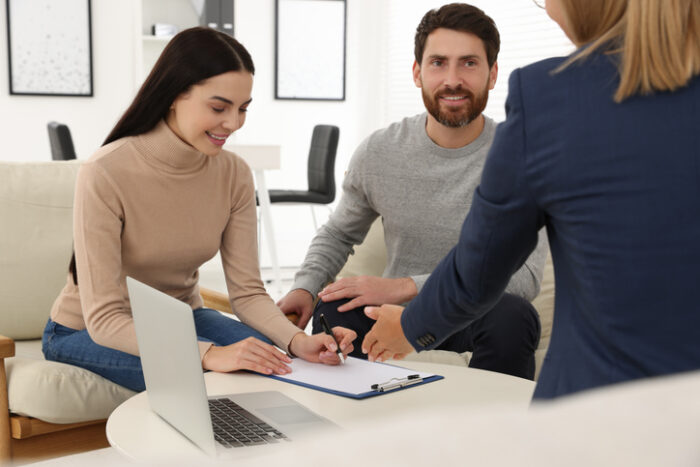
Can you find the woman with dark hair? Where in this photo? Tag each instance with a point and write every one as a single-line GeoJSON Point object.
{"type": "Point", "coordinates": [155, 202]}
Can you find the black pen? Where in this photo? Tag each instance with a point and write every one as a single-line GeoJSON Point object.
{"type": "Point", "coordinates": [327, 330]}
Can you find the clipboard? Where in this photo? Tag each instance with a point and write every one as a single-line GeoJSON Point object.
{"type": "Point", "coordinates": [356, 379]}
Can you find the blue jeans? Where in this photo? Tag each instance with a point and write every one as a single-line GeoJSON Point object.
{"type": "Point", "coordinates": [66, 345]}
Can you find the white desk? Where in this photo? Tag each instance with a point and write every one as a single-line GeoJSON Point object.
{"type": "Point", "coordinates": [261, 158]}
{"type": "Point", "coordinates": [141, 435]}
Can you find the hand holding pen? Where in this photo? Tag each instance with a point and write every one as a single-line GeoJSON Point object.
{"type": "Point", "coordinates": [317, 348]}
{"type": "Point", "coordinates": [327, 330]}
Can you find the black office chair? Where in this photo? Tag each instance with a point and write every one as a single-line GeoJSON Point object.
{"type": "Point", "coordinates": [320, 172]}
{"type": "Point", "coordinates": [61, 142]}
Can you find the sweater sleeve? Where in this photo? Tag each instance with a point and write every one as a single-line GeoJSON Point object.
{"type": "Point", "coordinates": [526, 281]}
{"type": "Point", "coordinates": [239, 256]}
{"type": "Point", "coordinates": [97, 226]}
{"type": "Point", "coordinates": [347, 226]}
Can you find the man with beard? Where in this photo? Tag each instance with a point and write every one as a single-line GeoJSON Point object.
{"type": "Point", "coordinates": [419, 175]}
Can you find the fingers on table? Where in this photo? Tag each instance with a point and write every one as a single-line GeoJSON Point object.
{"type": "Point", "coordinates": [262, 357]}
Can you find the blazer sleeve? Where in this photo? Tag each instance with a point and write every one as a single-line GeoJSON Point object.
{"type": "Point", "coordinates": [498, 235]}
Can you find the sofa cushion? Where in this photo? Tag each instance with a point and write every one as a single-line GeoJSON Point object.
{"type": "Point", "coordinates": [56, 392]}
{"type": "Point", "coordinates": [36, 214]}
{"type": "Point", "coordinates": [36, 211]}
{"type": "Point", "coordinates": [440, 356]}
{"type": "Point", "coordinates": [369, 258]}
{"type": "Point", "coordinates": [544, 302]}
{"type": "Point", "coordinates": [60, 393]}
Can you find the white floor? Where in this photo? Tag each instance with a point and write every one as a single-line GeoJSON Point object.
{"type": "Point", "coordinates": [102, 457]}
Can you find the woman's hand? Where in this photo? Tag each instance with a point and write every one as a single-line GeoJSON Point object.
{"type": "Point", "coordinates": [248, 354]}
{"type": "Point", "coordinates": [321, 347]}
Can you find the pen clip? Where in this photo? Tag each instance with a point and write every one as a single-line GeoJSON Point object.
{"type": "Point", "coordinates": [395, 383]}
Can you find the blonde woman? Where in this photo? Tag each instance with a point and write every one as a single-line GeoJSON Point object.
{"type": "Point", "coordinates": [602, 148]}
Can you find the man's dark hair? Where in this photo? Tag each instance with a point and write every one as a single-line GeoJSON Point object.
{"type": "Point", "coordinates": [459, 17]}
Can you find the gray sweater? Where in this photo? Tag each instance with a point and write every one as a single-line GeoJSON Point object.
{"type": "Point", "coordinates": [422, 192]}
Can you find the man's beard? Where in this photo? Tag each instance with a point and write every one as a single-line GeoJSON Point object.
{"type": "Point", "coordinates": [456, 117]}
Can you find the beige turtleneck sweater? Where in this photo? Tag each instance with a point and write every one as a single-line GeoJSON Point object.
{"type": "Point", "coordinates": [154, 208]}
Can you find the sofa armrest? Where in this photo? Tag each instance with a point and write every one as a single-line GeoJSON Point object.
{"type": "Point", "coordinates": [7, 347]}
{"type": "Point", "coordinates": [219, 301]}
{"type": "Point", "coordinates": [7, 350]}
{"type": "Point", "coordinates": [215, 300]}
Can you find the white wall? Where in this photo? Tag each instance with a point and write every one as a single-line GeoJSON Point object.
{"type": "Point", "coordinates": [287, 123]}
{"type": "Point", "coordinates": [23, 118]}
{"type": "Point", "coordinates": [290, 123]}
{"type": "Point", "coordinates": [379, 88]}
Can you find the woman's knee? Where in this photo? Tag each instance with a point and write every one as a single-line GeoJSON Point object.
{"type": "Point", "coordinates": [215, 327]}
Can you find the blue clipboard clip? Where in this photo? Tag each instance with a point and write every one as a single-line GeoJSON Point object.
{"type": "Point", "coordinates": [396, 383]}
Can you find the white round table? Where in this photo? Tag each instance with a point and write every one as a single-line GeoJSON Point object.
{"type": "Point", "coordinates": [137, 432]}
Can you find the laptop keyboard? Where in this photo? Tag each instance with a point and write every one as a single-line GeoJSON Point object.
{"type": "Point", "coordinates": [235, 427]}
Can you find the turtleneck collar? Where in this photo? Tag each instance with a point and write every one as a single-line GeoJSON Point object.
{"type": "Point", "coordinates": [165, 150]}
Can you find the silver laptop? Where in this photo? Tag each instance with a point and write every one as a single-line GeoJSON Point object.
{"type": "Point", "coordinates": [176, 391]}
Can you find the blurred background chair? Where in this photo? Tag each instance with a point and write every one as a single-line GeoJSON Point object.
{"type": "Point", "coordinates": [320, 172]}
{"type": "Point", "coordinates": [61, 142]}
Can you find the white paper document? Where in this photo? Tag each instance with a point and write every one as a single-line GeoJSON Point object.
{"type": "Point", "coordinates": [354, 378]}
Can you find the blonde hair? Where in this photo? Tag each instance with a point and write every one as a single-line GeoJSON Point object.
{"type": "Point", "coordinates": [658, 41]}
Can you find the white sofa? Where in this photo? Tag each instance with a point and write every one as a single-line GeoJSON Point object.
{"type": "Point", "coordinates": [370, 259]}
{"type": "Point", "coordinates": [49, 408]}
{"type": "Point", "coordinates": [36, 201]}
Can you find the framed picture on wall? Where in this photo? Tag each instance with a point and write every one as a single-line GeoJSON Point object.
{"type": "Point", "coordinates": [49, 47]}
{"type": "Point", "coordinates": [310, 49]}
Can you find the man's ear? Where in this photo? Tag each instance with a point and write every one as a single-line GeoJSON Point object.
{"type": "Point", "coordinates": [416, 75]}
{"type": "Point", "coordinates": [493, 75]}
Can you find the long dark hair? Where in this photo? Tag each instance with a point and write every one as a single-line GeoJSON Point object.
{"type": "Point", "coordinates": [190, 57]}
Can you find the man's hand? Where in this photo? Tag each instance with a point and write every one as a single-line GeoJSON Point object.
{"type": "Point", "coordinates": [369, 290]}
{"type": "Point", "coordinates": [298, 301]}
{"type": "Point", "coordinates": [386, 339]}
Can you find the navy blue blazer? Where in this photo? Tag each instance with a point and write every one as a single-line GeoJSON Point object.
{"type": "Point", "coordinates": [618, 188]}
